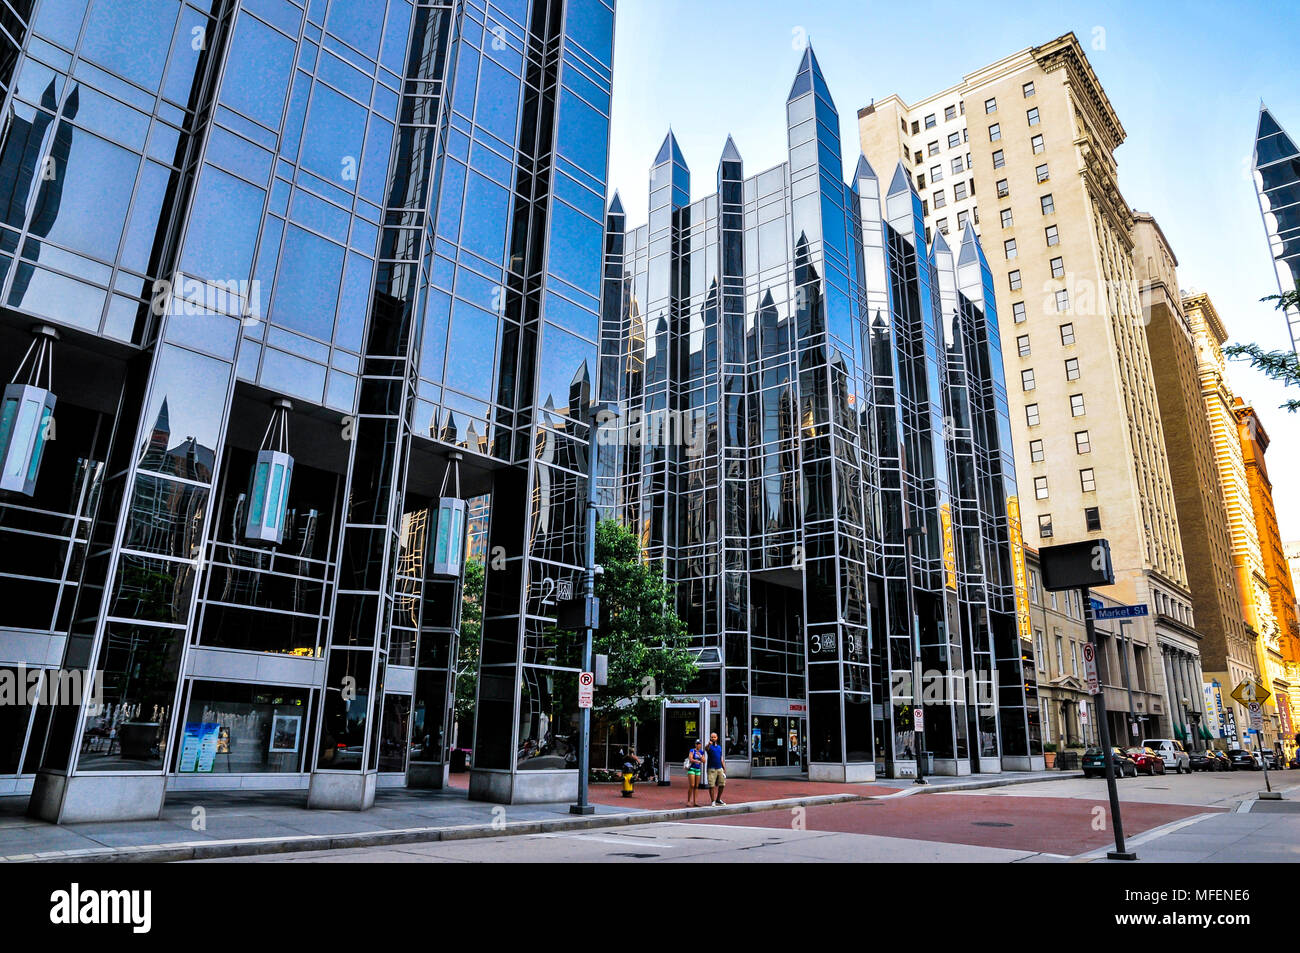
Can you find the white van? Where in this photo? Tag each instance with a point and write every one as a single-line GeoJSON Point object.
{"type": "Point", "coordinates": [1171, 752]}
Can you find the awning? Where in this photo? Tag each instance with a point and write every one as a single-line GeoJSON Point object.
{"type": "Point", "coordinates": [1205, 733]}
{"type": "Point", "coordinates": [1179, 732]}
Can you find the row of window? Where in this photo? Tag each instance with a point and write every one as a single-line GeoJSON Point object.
{"type": "Point", "coordinates": [1027, 382]}
{"type": "Point", "coordinates": [1091, 522]}
{"type": "Point", "coordinates": [1045, 202]}
{"type": "Point", "coordinates": [1052, 234]}
{"type": "Point", "coordinates": [949, 114]}
{"type": "Point", "coordinates": [1067, 337]}
{"type": "Point", "coordinates": [1033, 419]}
{"type": "Point", "coordinates": [1082, 444]}
{"type": "Point", "coordinates": [991, 104]}
{"type": "Point", "coordinates": [1087, 478]}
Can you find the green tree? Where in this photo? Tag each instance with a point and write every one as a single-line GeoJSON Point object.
{"type": "Point", "coordinates": [647, 643]}
{"type": "Point", "coordinates": [471, 627]}
{"type": "Point", "coordinates": [1279, 365]}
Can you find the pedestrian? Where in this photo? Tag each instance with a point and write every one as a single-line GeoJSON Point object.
{"type": "Point", "coordinates": [694, 768]}
{"type": "Point", "coordinates": [717, 770]}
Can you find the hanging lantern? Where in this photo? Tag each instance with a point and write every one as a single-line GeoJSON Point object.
{"type": "Point", "coordinates": [268, 489]}
{"type": "Point", "coordinates": [27, 415]}
{"type": "Point", "coordinates": [449, 540]}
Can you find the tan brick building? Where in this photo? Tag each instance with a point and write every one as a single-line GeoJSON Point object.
{"type": "Point", "coordinates": [1024, 150]}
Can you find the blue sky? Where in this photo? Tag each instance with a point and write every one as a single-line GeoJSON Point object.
{"type": "Point", "coordinates": [1185, 78]}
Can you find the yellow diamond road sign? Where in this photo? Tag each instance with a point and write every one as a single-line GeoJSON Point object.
{"type": "Point", "coordinates": [1249, 691]}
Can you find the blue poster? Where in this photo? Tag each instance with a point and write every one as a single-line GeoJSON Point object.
{"type": "Point", "coordinates": [198, 747]}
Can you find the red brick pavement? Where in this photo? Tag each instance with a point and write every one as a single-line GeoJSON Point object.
{"type": "Point", "coordinates": [1048, 824]}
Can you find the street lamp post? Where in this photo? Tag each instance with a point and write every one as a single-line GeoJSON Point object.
{"type": "Point", "coordinates": [598, 413]}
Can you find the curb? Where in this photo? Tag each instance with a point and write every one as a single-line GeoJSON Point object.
{"type": "Point", "coordinates": [248, 847]}
{"type": "Point", "coordinates": [255, 846]}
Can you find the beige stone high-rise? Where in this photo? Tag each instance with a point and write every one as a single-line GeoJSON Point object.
{"type": "Point", "coordinates": [1024, 148]}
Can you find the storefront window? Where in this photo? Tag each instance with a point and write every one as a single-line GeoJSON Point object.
{"type": "Point", "coordinates": [243, 729]}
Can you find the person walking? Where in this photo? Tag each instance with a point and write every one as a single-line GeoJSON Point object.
{"type": "Point", "coordinates": [694, 769]}
{"type": "Point", "coordinates": [717, 770]}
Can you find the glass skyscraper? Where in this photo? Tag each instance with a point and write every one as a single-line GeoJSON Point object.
{"type": "Point", "coordinates": [359, 241]}
{"type": "Point", "coordinates": [815, 442]}
{"type": "Point", "coordinates": [1277, 183]}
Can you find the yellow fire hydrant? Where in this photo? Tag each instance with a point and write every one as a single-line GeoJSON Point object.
{"type": "Point", "coordinates": [627, 781]}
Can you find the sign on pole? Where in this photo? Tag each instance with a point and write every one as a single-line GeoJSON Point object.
{"type": "Point", "coordinates": [1249, 691]}
{"type": "Point", "coordinates": [1090, 668]}
{"type": "Point", "coordinates": [1119, 612]}
{"type": "Point", "coordinates": [918, 719]}
{"type": "Point", "coordinates": [586, 690]}
{"type": "Point", "coordinates": [1256, 716]}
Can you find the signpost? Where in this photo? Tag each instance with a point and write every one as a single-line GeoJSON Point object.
{"type": "Point", "coordinates": [1120, 612]}
{"type": "Point", "coordinates": [1081, 566]}
{"type": "Point", "coordinates": [1090, 668]}
{"type": "Point", "coordinates": [586, 689]}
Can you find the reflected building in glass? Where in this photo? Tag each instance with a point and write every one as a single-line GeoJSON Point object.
{"type": "Point", "coordinates": [388, 214]}
{"type": "Point", "coordinates": [1277, 183]}
{"type": "Point", "coordinates": [815, 443]}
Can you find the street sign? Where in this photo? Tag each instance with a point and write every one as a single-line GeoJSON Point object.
{"type": "Point", "coordinates": [1249, 691]}
{"type": "Point", "coordinates": [1090, 668]}
{"type": "Point", "coordinates": [1256, 716]}
{"type": "Point", "coordinates": [1120, 612]}
{"type": "Point", "coordinates": [1076, 565]}
{"type": "Point", "coordinates": [586, 689]}
{"type": "Point", "coordinates": [918, 719]}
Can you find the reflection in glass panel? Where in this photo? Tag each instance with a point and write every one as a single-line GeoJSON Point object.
{"type": "Point", "coordinates": [243, 729]}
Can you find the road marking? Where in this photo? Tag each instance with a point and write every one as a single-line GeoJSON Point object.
{"type": "Point", "coordinates": [1143, 838]}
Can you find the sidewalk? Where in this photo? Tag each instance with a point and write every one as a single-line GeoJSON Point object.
{"type": "Point", "coordinates": [202, 825]}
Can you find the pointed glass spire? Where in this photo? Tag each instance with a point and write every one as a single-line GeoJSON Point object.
{"type": "Point", "coordinates": [863, 170]}
{"type": "Point", "coordinates": [900, 182]}
{"type": "Point", "coordinates": [730, 153]}
{"type": "Point", "coordinates": [670, 151]}
{"type": "Point", "coordinates": [808, 76]}
{"type": "Point", "coordinates": [616, 204]}
{"type": "Point", "coordinates": [1272, 144]}
{"type": "Point", "coordinates": [971, 252]}
{"type": "Point", "coordinates": [940, 246]}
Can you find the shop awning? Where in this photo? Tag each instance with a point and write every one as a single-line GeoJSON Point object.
{"type": "Point", "coordinates": [1179, 732]}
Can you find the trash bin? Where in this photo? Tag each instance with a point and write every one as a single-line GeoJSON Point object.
{"type": "Point", "coordinates": [929, 761]}
{"type": "Point", "coordinates": [457, 760]}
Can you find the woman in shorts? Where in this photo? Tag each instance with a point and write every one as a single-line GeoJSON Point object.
{"type": "Point", "coordinates": [694, 770]}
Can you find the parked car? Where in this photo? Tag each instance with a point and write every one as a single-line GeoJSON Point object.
{"type": "Point", "coordinates": [1224, 762]}
{"type": "Point", "coordinates": [1270, 760]}
{"type": "Point", "coordinates": [1172, 752]}
{"type": "Point", "coordinates": [1243, 760]}
{"type": "Point", "coordinates": [1203, 761]}
{"type": "Point", "coordinates": [1147, 760]}
{"type": "Point", "coordinates": [1094, 764]}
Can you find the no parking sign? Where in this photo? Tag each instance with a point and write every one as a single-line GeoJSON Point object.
{"type": "Point", "coordinates": [586, 681]}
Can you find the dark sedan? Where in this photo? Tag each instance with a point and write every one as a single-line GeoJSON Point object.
{"type": "Point", "coordinates": [1243, 760]}
{"type": "Point", "coordinates": [1094, 764]}
{"type": "Point", "coordinates": [1203, 761]}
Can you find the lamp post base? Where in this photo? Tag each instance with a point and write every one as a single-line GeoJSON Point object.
{"type": "Point", "coordinates": [1121, 855]}
{"type": "Point", "coordinates": [582, 809]}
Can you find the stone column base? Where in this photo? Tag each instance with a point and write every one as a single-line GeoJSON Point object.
{"type": "Point", "coordinates": [523, 787]}
{"type": "Point", "coordinates": [952, 767]}
{"type": "Point", "coordinates": [1021, 762]}
{"type": "Point", "coordinates": [427, 775]}
{"type": "Point", "coordinates": [336, 791]}
{"type": "Point", "coordinates": [853, 773]}
{"type": "Point", "coordinates": [60, 799]}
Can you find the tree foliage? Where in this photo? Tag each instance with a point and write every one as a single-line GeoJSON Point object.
{"type": "Point", "coordinates": [471, 626]}
{"type": "Point", "coordinates": [1280, 366]}
{"type": "Point", "coordinates": [647, 643]}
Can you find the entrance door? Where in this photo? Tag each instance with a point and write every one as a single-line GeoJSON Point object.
{"type": "Point", "coordinates": [682, 725]}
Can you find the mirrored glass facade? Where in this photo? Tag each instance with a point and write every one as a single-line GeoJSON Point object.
{"type": "Point", "coordinates": [1277, 182]}
{"type": "Point", "coordinates": [389, 213]}
{"type": "Point", "coordinates": [815, 443]}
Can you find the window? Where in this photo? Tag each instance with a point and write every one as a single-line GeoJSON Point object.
{"type": "Point", "coordinates": [1032, 116]}
{"type": "Point", "coordinates": [1037, 143]}
{"type": "Point", "coordinates": [1060, 654]}
{"type": "Point", "coordinates": [1018, 312]}
{"type": "Point", "coordinates": [939, 200]}
{"type": "Point", "coordinates": [1067, 333]}
{"type": "Point", "coordinates": [916, 127]}
{"type": "Point", "coordinates": [1087, 480]}
{"type": "Point", "coordinates": [1058, 267]}
{"type": "Point", "coordinates": [1040, 488]}
{"type": "Point", "coordinates": [932, 148]}
{"type": "Point", "coordinates": [999, 160]}
{"type": "Point", "coordinates": [954, 140]}
{"type": "Point", "coordinates": [965, 135]}
{"type": "Point", "coordinates": [1014, 279]}
{"type": "Point", "coordinates": [1063, 300]}
{"type": "Point", "coordinates": [920, 180]}
{"type": "Point", "coordinates": [1076, 405]}
{"type": "Point", "coordinates": [962, 218]}
{"type": "Point", "coordinates": [990, 106]}
{"type": "Point", "coordinates": [959, 191]}
{"type": "Point", "coordinates": [1041, 661]}
{"type": "Point", "coordinates": [1049, 206]}
{"type": "Point", "coordinates": [950, 113]}
{"type": "Point", "coordinates": [1031, 415]}
{"type": "Point", "coordinates": [1006, 218]}
{"type": "Point", "coordinates": [1027, 379]}
{"type": "Point", "coordinates": [929, 121]}
{"type": "Point", "coordinates": [1092, 518]}
{"type": "Point", "coordinates": [1022, 344]}
{"type": "Point", "coordinates": [1053, 235]}
{"type": "Point", "coordinates": [936, 173]}
{"type": "Point", "coordinates": [1027, 89]}
{"type": "Point", "coordinates": [1009, 246]}
{"type": "Point", "coordinates": [1041, 172]}
{"type": "Point", "coordinates": [925, 213]}
{"type": "Point", "coordinates": [957, 167]}
{"type": "Point", "coordinates": [1082, 444]}
{"type": "Point", "coordinates": [1036, 451]}
{"type": "Point", "coordinates": [1072, 369]}
{"type": "Point", "coordinates": [1074, 658]}
{"type": "Point", "coordinates": [941, 224]}
{"type": "Point", "coordinates": [1003, 189]}
{"type": "Point", "coordinates": [995, 132]}
{"type": "Point", "coordinates": [1045, 525]}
